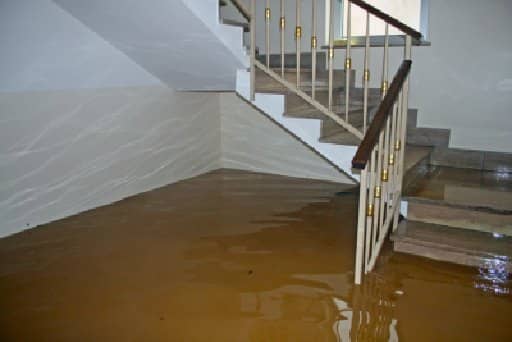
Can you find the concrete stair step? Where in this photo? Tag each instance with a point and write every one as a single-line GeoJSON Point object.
{"type": "Point", "coordinates": [355, 118]}
{"type": "Point", "coordinates": [290, 60]}
{"type": "Point", "coordinates": [471, 217]}
{"type": "Point", "coordinates": [416, 163]}
{"type": "Point", "coordinates": [459, 246]}
{"type": "Point", "coordinates": [297, 106]}
{"type": "Point", "coordinates": [266, 84]}
{"type": "Point", "coordinates": [342, 138]}
{"type": "Point", "coordinates": [236, 23]}
{"type": "Point", "coordinates": [421, 136]}
{"type": "Point", "coordinates": [462, 198]}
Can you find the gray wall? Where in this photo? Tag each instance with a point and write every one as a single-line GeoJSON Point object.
{"type": "Point", "coordinates": [464, 80]}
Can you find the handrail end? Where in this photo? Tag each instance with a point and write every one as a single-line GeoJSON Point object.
{"type": "Point", "coordinates": [358, 164]}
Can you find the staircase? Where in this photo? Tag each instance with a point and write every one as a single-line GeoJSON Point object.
{"type": "Point", "coordinates": [360, 129]}
{"type": "Point", "coordinates": [371, 135]}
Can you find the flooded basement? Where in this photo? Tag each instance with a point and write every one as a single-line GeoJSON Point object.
{"type": "Point", "coordinates": [235, 256]}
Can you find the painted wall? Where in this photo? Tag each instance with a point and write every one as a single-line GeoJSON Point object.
{"type": "Point", "coordinates": [463, 81]}
{"type": "Point", "coordinates": [45, 48]}
{"type": "Point", "coordinates": [81, 125]}
{"type": "Point", "coordinates": [172, 40]}
{"type": "Point", "coordinates": [251, 141]}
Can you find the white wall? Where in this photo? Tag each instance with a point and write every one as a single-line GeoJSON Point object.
{"type": "Point", "coordinates": [464, 80]}
{"type": "Point", "coordinates": [63, 152]}
{"type": "Point", "coordinates": [45, 48]}
{"type": "Point", "coordinates": [169, 38]}
{"type": "Point", "coordinates": [251, 141]}
{"type": "Point", "coordinates": [82, 125]}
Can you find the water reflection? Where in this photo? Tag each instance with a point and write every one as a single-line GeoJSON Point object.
{"type": "Point", "coordinates": [494, 277]}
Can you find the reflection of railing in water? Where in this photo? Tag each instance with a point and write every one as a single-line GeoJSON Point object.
{"type": "Point", "coordinates": [370, 316]}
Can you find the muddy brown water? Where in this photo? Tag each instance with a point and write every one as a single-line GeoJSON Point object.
{"type": "Point", "coordinates": [235, 256]}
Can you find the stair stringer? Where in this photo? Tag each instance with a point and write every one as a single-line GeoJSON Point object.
{"type": "Point", "coordinates": [306, 130]}
{"type": "Point", "coordinates": [208, 12]}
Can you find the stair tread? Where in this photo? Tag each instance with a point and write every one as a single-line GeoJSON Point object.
{"type": "Point", "coordinates": [341, 138]}
{"type": "Point", "coordinates": [463, 188]}
{"type": "Point", "coordinates": [465, 243]}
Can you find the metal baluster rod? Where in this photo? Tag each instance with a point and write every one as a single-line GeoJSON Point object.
{"type": "Point", "coordinates": [298, 37]}
{"type": "Point", "coordinates": [369, 211]}
{"type": "Point", "coordinates": [361, 227]}
{"type": "Point", "coordinates": [313, 49]}
{"type": "Point", "coordinates": [331, 50]}
{"type": "Point", "coordinates": [366, 75]}
{"type": "Point", "coordinates": [385, 66]}
{"type": "Point", "coordinates": [378, 187]}
{"type": "Point", "coordinates": [348, 60]}
{"type": "Point", "coordinates": [392, 159]}
{"type": "Point", "coordinates": [253, 50]}
{"type": "Point", "coordinates": [267, 33]}
{"type": "Point", "coordinates": [385, 179]}
{"type": "Point", "coordinates": [282, 26]}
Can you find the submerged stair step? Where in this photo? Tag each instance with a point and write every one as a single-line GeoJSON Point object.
{"type": "Point", "coordinates": [460, 216]}
{"type": "Point", "coordinates": [454, 245]}
{"type": "Point", "coordinates": [461, 198]}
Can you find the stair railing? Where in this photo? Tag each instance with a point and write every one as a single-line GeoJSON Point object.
{"type": "Point", "coordinates": [242, 9]}
{"type": "Point", "coordinates": [380, 156]}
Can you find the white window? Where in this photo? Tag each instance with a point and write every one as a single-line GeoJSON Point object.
{"type": "Point", "coordinates": [413, 13]}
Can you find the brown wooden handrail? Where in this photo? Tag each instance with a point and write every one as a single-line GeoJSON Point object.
{"type": "Point", "coordinates": [388, 19]}
{"type": "Point", "coordinates": [377, 125]}
{"type": "Point", "coordinates": [241, 8]}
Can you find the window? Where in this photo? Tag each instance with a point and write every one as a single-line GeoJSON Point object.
{"type": "Point", "coordinates": [413, 13]}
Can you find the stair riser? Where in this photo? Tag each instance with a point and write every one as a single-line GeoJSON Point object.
{"type": "Point", "coordinates": [290, 60]}
{"type": "Point", "coordinates": [428, 136]}
{"type": "Point", "coordinates": [441, 254]}
{"type": "Point", "coordinates": [345, 138]}
{"type": "Point", "coordinates": [457, 217]}
{"type": "Point", "coordinates": [412, 118]}
{"type": "Point", "coordinates": [330, 127]}
{"type": "Point", "coordinates": [297, 106]}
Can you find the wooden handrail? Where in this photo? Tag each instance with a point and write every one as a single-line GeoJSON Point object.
{"type": "Point", "coordinates": [390, 20]}
{"type": "Point", "coordinates": [377, 125]}
{"type": "Point", "coordinates": [242, 9]}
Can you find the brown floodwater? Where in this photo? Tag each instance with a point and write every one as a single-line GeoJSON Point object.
{"type": "Point", "coordinates": [235, 256]}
